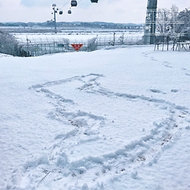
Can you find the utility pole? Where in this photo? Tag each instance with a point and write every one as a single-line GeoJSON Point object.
{"type": "Point", "coordinates": [150, 23]}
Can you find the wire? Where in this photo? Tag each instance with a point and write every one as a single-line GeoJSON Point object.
{"type": "Point", "coordinates": [65, 4]}
{"type": "Point", "coordinates": [79, 1]}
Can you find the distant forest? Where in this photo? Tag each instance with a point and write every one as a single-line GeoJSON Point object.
{"type": "Point", "coordinates": [103, 25]}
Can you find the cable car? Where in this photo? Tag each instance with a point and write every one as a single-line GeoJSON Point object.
{"type": "Point", "coordinates": [60, 12]}
{"type": "Point", "coordinates": [73, 3]}
{"type": "Point", "coordinates": [69, 11]}
{"type": "Point", "coordinates": [94, 1]}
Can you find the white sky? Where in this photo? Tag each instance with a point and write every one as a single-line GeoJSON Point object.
{"type": "Point", "coordinates": [120, 11]}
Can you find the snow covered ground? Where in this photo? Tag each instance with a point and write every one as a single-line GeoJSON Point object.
{"type": "Point", "coordinates": [104, 120]}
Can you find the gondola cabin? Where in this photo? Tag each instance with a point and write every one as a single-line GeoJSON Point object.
{"type": "Point", "coordinates": [69, 11]}
{"type": "Point", "coordinates": [94, 1]}
{"type": "Point", "coordinates": [73, 3]}
{"type": "Point", "coordinates": [60, 12]}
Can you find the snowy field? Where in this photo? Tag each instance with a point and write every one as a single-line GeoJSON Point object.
{"type": "Point", "coordinates": [106, 120]}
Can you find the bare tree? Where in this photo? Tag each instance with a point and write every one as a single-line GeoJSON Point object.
{"type": "Point", "coordinates": [184, 27]}
{"type": "Point", "coordinates": [8, 44]}
{"type": "Point", "coordinates": [167, 22]}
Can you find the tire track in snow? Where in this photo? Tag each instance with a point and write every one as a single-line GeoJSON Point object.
{"type": "Point", "coordinates": [125, 160]}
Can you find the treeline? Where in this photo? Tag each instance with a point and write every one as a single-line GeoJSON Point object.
{"type": "Point", "coordinates": [105, 25]}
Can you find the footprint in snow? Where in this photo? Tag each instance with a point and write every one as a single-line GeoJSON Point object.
{"type": "Point", "coordinates": [174, 90]}
{"type": "Point", "coordinates": [157, 91]}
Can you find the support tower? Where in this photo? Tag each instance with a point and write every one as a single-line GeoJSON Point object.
{"type": "Point", "coordinates": [150, 22]}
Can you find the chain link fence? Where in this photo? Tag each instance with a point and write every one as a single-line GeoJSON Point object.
{"type": "Point", "coordinates": [50, 45]}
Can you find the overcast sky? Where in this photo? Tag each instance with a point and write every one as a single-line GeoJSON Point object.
{"type": "Point", "coordinates": [119, 11]}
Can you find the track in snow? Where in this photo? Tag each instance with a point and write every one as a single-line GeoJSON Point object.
{"type": "Point", "coordinates": [86, 127]}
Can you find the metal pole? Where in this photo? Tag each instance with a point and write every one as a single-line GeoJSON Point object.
{"type": "Point", "coordinates": [55, 21]}
{"type": "Point", "coordinates": [54, 17]}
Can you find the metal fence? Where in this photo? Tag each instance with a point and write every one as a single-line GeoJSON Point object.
{"type": "Point", "coordinates": [172, 42]}
{"type": "Point", "coordinates": [37, 47]}
{"type": "Point", "coordinates": [118, 39]}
